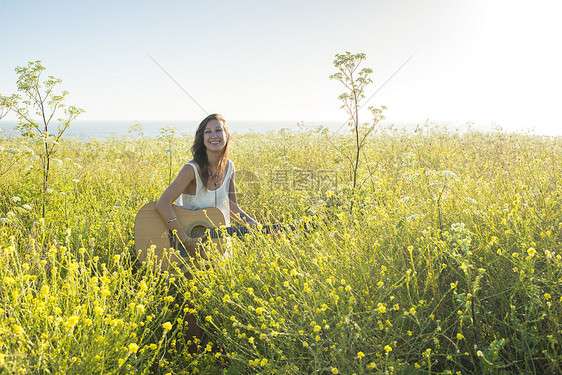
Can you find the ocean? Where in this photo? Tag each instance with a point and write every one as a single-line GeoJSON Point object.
{"type": "Point", "coordinates": [83, 130]}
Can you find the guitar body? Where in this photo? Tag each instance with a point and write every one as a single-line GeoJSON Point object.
{"type": "Point", "coordinates": [150, 230]}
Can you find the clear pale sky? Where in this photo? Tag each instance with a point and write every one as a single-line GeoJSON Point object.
{"type": "Point", "coordinates": [480, 61]}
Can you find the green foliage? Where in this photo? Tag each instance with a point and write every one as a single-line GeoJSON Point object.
{"type": "Point", "coordinates": [167, 137]}
{"type": "Point", "coordinates": [449, 262]}
{"type": "Point", "coordinates": [355, 81]}
{"type": "Point", "coordinates": [36, 105]}
{"type": "Point", "coordinates": [38, 102]}
{"type": "Point", "coordinates": [5, 105]}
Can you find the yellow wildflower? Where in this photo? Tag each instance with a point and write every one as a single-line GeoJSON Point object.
{"type": "Point", "coordinates": [71, 322]}
{"type": "Point", "coordinates": [143, 286]}
{"type": "Point", "coordinates": [18, 329]}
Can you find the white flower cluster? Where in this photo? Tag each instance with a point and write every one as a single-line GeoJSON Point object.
{"type": "Point", "coordinates": [449, 175]}
{"type": "Point", "coordinates": [462, 231]}
{"type": "Point", "coordinates": [458, 227]}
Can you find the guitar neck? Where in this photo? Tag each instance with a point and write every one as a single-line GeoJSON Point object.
{"type": "Point", "coordinates": [241, 231]}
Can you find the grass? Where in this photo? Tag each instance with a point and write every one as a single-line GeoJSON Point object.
{"type": "Point", "coordinates": [445, 260]}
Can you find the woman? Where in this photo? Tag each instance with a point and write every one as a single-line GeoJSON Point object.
{"type": "Point", "coordinates": [205, 181]}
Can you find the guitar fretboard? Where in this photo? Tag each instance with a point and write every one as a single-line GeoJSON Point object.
{"type": "Point", "coordinates": [241, 231]}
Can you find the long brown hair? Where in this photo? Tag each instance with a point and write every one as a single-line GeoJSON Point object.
{"type": "Point", "coordinates": [199, 150]}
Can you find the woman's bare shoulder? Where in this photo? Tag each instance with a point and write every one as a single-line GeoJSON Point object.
{"type": "Point", "coordinates": [191, 163]}
{"type": "Point", "coordinates": [188, 169]}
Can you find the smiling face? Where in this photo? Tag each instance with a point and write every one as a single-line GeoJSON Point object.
{"type": "Point", "coordinates": [211, 144]}
{"type": "Point", "coordinates": [214, 136]}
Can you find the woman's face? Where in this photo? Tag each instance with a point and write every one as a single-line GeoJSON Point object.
{"type": "Point", "coordinates": [214, 136]}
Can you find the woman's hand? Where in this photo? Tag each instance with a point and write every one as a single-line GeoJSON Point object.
{"type": "Point", "coordinates": [192, 244]}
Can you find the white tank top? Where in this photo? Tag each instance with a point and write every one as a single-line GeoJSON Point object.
{"type": "Point", "coordinates": [205, 198]}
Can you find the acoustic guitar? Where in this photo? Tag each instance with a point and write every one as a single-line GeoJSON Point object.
{"type": "Point", "coordinates": [152, 232]}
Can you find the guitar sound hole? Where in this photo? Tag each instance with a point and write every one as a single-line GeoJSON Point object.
{"type": "Point", "coordinates": [197, 231]}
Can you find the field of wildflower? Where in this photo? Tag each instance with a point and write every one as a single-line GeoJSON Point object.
{"type": "Point", "coordinates": [446, 258]}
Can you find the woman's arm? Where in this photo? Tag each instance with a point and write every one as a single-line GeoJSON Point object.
{"type": "Point", "coordinates": [236, 213]}
{"type": "Point", "coordinates": [164, 204]}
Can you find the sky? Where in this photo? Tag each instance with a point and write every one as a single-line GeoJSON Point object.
{"type": "Point", "coordinates": [486, 62]}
